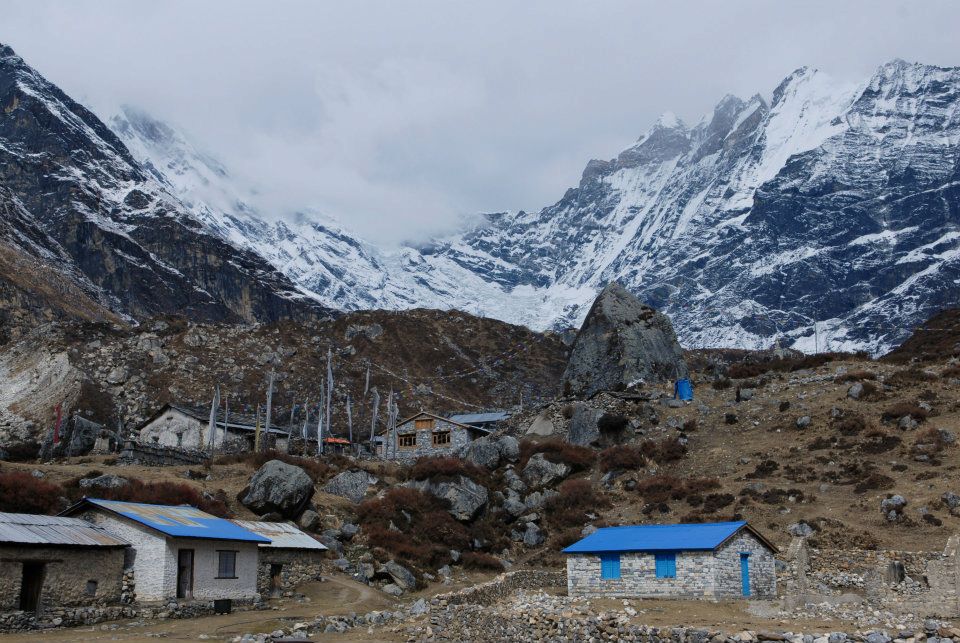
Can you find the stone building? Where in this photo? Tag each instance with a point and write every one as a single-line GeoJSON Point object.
{"type": "Point", "coordinates": [53, 562]}
{"type": "Point", "coordinates": [188, 428]}
{"type": "Point", "coordinates": [290, 559]}
{"type": "Point", "coordinates": [710, 560]}
{"type": "Point", "coordinates": [179, 552]}
{"type": "Point", "coordinates": [426, 434]}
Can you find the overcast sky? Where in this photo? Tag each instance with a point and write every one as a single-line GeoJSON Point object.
{"type": "Point", "coordinates": [400, 118]}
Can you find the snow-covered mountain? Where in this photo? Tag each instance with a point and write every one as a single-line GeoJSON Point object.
{"type": "Point", "coordinates": [825, 214]}
{"type": "Point", "coordinates": [87, 232]}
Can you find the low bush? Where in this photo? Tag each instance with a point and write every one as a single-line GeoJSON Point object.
{"type": "Point", "coordinates": [622, 457]}
{"type": "Point", "coordinates": [423, 531]}
{"type": "Point", "coordinates": [930, 442]}
{"type": "Point", "coordinates": [717, 501]}
{"type": "Point", "coordinates": [318, 470]}
{"type": "Point", "coordinates": [480, 560]}
{"type": "Point", "coordinates": [851, 424]}
{"type": "Point", "coordinates": [873, 481]}
{"type": "Point", "coordinates": [879, 442]}
{"type": "Point", "coordinates": [721, 383]}
{"type": "Point", "coordinates": [902, 409]}
{"type": "Point", "coordinates": [764, 469]}
{"type": "Point", "coordinates": [165, 493]}
{"type": "Point", "coordinates": [558, 451]}
{"type": "Point", "coordinates": [576, 498]}
{"type": "Point", "coordinates": [909, 377]}
{"type": "Point", "coordinates": [855, 376]}
{"type": "Point", "coordinates": [665, 487]}
{"type": "Point", "coordinates": [20, 492]}
{"type": "Point", "coordinates": [951, 372]}
{"type": "Point", "coordinates": [690, 425]}
{"type": "Point", "coordinates": [663, 451]}
{"type": "Point", "coordinates": [439, 469]}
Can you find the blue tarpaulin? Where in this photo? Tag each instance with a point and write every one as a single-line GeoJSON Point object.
{"type": "Point", "coordinates": [683, 390]}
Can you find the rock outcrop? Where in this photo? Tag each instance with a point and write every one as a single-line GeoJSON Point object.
{"type": "Point", "coordinates": [278, 487]}
{"type": "Point", "coordinates": [465, 496]}
{"type": "Point", "coordinates": [352, 485]}
{"type": "Point", "coordinates": [622, 342]}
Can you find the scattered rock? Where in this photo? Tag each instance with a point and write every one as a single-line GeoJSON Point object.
{"type": "Point", "coordinates": [541, 426]}
{"type": "Point", "coordinates": [803, 421]}
{"type": "Point", "coordinates": [583, 425]}
{"type": "Point", "coordinates": [855, 392]}
{"type": "Point", "coordinates": [466, 497]}
{"type": "Point", "coordinates": [106, 481]}
{"type": "Point", "coordinates": [892, 508]}
{"type": "Point", "coordinates": [540, 472]}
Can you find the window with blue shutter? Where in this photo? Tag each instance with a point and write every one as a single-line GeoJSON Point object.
{"type": "Point", "coordinates": [666, 565]}
{"type": "Point", "coordinates": [610, 566]}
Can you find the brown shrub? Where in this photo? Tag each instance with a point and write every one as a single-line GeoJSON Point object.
{"type": "Point", "coordinates": [665, 487]}
{"type": "Point", "coordinates": [576, 499]}
{"type": "Point", "coordinates": [167, 493]}
{"type": "Point", "coordinates": [666, 450]}
{"type": "Point", "coordinates": [851, 424]}
{"type": "Point", "coordinates": [909, 377]}
{"type": "Point", "coordinates": [439, 469]}
{"type": "Point", "coordinates": [318, 470]}
{"type": "Point", "coordinates": [612, 422]}
{"type": "Point", "coordinates": [721, 383]}
{"type": "Point", "coordinates": [626, 456]}
{"type": "Point", "coordinates": [567, 411]}
{"type": "Point", "coordinates": [874, 481]}
{"type": "Point", "coordinates": [951, 372]}
{"type": "Point", "coordinates": [879, 442]}
{"type": "Point", "coordinates": [764, 469]}
{"type": "Point", "coordinates": [480, 560]}
{"type": "Point", "coordinates": [566, 537]}
{"type": "Point", "coordinates": [901, 409]}
{"type": "Point", "coordinates": [690, 425]}
{"type": "Point", "coordinates": [557, 451]}
{"type": "Point", "coordinates": [929, 442]}
{"type": "Point", "coordinates": [20, 492]}
{"type": "Point", "coordinates": [425, 532]}
{"type": "Point", "coordinates": [855, 376]}
{"type": "Point", "coordinates": [717, 501]}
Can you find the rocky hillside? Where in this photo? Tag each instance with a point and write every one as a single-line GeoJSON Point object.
{"type": "Point", "coordinates": [88, 233]}
{"type": "Point", "coordinates": [446, 362]}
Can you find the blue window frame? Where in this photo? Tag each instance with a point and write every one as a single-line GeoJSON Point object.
{"type": "Point", "coordinates": [666, 565]}
{"type": "Point", "coordinates": [610, 566]}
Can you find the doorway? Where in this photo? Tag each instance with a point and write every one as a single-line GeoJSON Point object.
{"type": "Point", "coordinates": [276, 579]}
{"type": "Point", "coordinates": [745, 573]}
{"type": "Point", "coordinates": [185, 573]}
{"type": "Point", "coordinates": [31, 584]}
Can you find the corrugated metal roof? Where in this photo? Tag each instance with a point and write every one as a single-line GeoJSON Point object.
{"type": "Point", "coordinates": [32, 529]}
{"type": "Point", "coordinates": [282, 535]}
{"type": "Point", "coordinates": [480, 418]}
{"type": "Point", "coordinates": [702, 536]}
{"type": "Point", "coordinates": [178, 521]}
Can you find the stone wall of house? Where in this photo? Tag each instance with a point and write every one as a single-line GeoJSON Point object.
{"type": "Point", "coordinates": [157, 455]}
{"type": "Point", "coordinates": [206, 585]}
{"type": "Point", "coordinates": [72, 576]}
{"type": "Point", "coordinates": [175, 429]}
{"type": "Point", "coordinates": [147, 556]}
{"type": "Point", "coordinates": [924, 582]}
{"type": "Point", "coordinates": [696, 574]}
{"type": "Point", "coordinates": [762, 566]}
{"type": "Point", "coordinates": [299, 566]}
{"type": "Point", "coordinates": [459, 437]}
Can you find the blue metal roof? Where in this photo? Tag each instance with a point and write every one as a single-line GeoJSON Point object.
{"type": "Point", "coordinates": [480, 418]}
{"type": "Point", "coordinates": [701, 537]}
{"type": "Point", "coordinates": [178, 521]}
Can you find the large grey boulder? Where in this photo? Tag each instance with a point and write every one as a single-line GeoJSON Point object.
{"type": "Point", "coordinates": [583, 425]}
{"type": "Point", "coordinates": [352, 485]}
{"type": "Point", "coordinates": [466, 497]}
{"type": "Point", "coordinates": [490, 452]}
{"type": "Point", "coordinates": [402, 576]}
{"type": "Point", "coordinates": [540, 472]}
{"type": "Point", "coordinates": [106, 481]}
{"type": "Point", "coordinates": [541, 426]}
{"type": "Point", "coordinates": [279, 487]}
{"type": "Point", "coordinates": [621, 342]}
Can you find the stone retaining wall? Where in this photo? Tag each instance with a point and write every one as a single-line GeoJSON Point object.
{"type": "Point", "coordinates": [503, 586]}
{"type": "Point", "coordinates": [157, 455]}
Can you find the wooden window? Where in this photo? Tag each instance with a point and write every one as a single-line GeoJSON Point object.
{"type": "Point", "coordinates": [423, 424]}
{"type": "Point", "coordinates": [407, 441]}
{"type": "Point", "coordinates": [441, 439]}
{"type": "Point", "coordinates": [226, 564]}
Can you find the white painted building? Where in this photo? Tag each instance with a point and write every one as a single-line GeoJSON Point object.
{"type": "Point", "coordinates": [188, 428]}
{"type": "Point", "coordinates": [179, 552]}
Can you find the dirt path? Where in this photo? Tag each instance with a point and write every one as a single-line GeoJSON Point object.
{"type": "Point", "coordinates": [335, 595]}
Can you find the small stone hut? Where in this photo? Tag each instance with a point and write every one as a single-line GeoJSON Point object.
{"type": "Point", "coordinates": [724, 560]}
{"type": "Point", "coordinates": [52, 562]}
{"type": "Point", "coordinates": [179, 552]}
{"type": "Point", "coordinates": [188, 428]}
{"type": "Point", "coordinates": [426, 434]}
{"type": "Point", "coordinates": [291, 558]}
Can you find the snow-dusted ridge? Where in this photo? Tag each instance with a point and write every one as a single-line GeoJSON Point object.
{"type": "Point", "coordinates": [826, 215]}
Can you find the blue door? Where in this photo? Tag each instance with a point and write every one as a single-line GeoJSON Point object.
{"type": "Point", "coordinates": [745, 573]}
